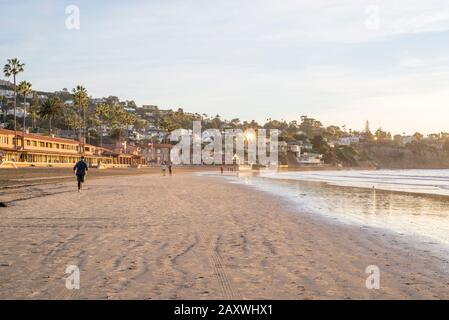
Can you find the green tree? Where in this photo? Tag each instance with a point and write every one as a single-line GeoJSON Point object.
{"type": "Point", "coordinates": [73, 120]}
{"type": "Point", "coordinates": [276, 124]}
{"type": "Point", "coordinates": [332, 132]}
{"type": "Point", "coordinates": [128, 119]}
{"type": "Point", "coordinates": [4, 104]}
{"type": "Point", "coordinates": [322, 147]}
{"type": "Point", "coordinates": [118, 119]}
{"type": "Point", "coordinates": [112, 100]}
{"type": "Point", "coordinates": [167, 124]}
{"type": "Point", "coordinates": [24, 88]}
{"type": "Point", "coordinates": [81, 101]}
{"type": "Point", "coordinates": [311, 127]}
{"type": "Point", "coordinates": [131, 104]}
{"type": "Point", "coordinates": [234, 123]}
{"type": "Point", "coordinates": [418, 136]}
{"type": "Point", "coordinates": [103, 113]}
{"type": "Point", "coordinates": [34, 109]}
{"type": "Point", "coordinates": [381, 136]}
{"type": "Point", "coordinates": [140, 124]}
{"type": "Point", "coordinates": [51, 109]}
{"type": "Point", "coordinates": [367, 134]}
{"type": "Point", "coordinates": [11, 69]}
{"type": "Point", "coordinates": [367, 127]}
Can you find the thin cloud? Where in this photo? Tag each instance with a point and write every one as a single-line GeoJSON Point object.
{"type": "Point", "coordinates": [251, 59]}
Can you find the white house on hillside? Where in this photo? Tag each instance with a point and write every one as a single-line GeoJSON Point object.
{"type": "Point", "coordinates": [308, 158]}
{"type": "Point", "coordinates": [347, 141]}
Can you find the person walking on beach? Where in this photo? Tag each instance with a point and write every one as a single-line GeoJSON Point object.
{"type": "Point", "coordinates": [221, 170]}
{"type": "Point", "coordinates": [163, 168]}
{"type": "Point", "coordinates": [169, 169]}
{"type": "Point", "coordinates": [80, 169]}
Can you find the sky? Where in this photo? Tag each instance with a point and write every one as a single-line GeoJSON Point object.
{"type": "Point", "coordinates": [342, 62]}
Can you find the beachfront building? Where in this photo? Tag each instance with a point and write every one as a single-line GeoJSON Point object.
{"type": "Point", "coordinates": [125, 159]}
{"type": "Point", "coordinates": [39, 150]}
{"type": "Point", "coordinates": [125, 154]}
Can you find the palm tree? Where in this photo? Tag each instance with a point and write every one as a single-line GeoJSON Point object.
{"type": "Point", "coordinates": [73, 120]}
{"type": "Point", "coordinates": [24, 88]}
{"type": "Point", "coordinates": [102, 111]}
{"type": "Point", "coordinates": [12, 69]}
{"type": "Point", "coordinates": [34, 109]}
{"type": "Point", "coordinates": [128, 120]}
{"type": "Point", "coordinates": [81, 101]}
{"type": "Point", "coordinates": [116, 117]}
{"type": "Point", "coordinates": [51, 109]}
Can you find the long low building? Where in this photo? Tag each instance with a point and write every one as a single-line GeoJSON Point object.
{"type": "Point", "coordinates": [39, 150]}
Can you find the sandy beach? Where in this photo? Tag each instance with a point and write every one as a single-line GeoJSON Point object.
{"type": "Point", "coordinates": [190, 237]}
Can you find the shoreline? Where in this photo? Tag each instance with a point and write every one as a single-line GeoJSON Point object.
{"type": "Point", "coordinates": [379, 189]}
{"type": "Point", "coordinates": [433, 241]}
{"type": "Point", "coordinates": [190, 237]}
{"type": "Point", "coordinates": [256, 173]}
{"type": "Point", "coordinates": [425, 243]}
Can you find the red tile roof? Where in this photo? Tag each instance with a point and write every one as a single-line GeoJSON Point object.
{"type": "Point", "coordinates": [60, 140]}
{"type": "Point", "coordinates": [39, 137]}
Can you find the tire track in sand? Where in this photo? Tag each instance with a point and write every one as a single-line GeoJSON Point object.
{"type": "Point", "coordinates": [213, 256]}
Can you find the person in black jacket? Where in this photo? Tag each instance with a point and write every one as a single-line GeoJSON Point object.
{"type": "Point", "coordinates": [80, 169]}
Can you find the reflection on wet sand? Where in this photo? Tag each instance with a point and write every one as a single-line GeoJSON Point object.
{"type": "Point", "coordinates": [413, 214]}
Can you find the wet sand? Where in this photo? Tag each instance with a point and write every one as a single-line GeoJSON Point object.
{"type": "Point", "coordinates": [191, 237]}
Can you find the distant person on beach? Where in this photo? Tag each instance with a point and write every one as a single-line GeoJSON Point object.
{"type": "Point", "coordinates": [163, 168]}
{"type": "Point", "coordinates": [80, 169]}
{"type": "Point", "coordinates": [169, 169]}
{"type": "Point", "coordinates": [221, 169]}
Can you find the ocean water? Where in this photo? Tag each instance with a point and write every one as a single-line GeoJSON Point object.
{"type": "Point", "coordinates": [417, 181]}
{"type": "Point", "coordinates": [414, 203]}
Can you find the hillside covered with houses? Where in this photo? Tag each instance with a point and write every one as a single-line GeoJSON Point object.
{"type": "Point", "coordinates": [109, 121]}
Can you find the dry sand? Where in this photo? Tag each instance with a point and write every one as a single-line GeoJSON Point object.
{"type": "Point", "coordinates": [190, 237]}
{"type": "Point", "coordinates": [29, 176]}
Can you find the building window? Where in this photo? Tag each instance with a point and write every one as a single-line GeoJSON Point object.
{"type": "Point", "coordinates": [28, 143]}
